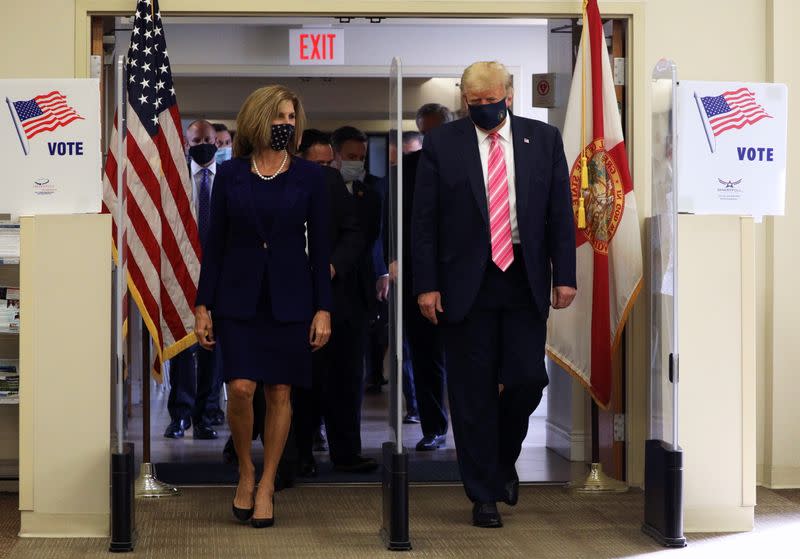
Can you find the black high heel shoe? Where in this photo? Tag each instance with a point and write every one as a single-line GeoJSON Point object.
{"type": "Point", "coordinates": [243, 515]}
{"type": "Point", "coordinates": [264, 522]}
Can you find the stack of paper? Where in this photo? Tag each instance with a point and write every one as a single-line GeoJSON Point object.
{"type": "Point", "coordinates": [9, 241]}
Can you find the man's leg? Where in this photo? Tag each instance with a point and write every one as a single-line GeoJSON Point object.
{"type": "Point", "coordinates": [344, 392]}
{"type": "Point", "coordinates": [207, 400]}
{"type": "Point", "coordinates": [427, 356]}
{"type": "Point", "coordinates": [182, 390]}
{"type": "Point", "coordinates": [471, 350]}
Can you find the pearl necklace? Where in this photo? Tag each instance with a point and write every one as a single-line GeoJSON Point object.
{"type": "Point", "coordinates": [278, 172]}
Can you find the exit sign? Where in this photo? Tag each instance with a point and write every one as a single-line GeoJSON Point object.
{"type": "Point", "coordinates": [316, 46]}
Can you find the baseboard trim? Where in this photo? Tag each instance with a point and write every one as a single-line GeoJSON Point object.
{"type": "Point", "coordinates": [781, 477]}
{"type": "Point", "coordinates": [719, 519]}
{"type": "Point", "coordinates": [569, 445]}
{"type": "Point", "coordinates": [59, 525]}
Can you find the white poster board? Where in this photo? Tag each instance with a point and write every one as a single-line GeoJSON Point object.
{"type": "Point", "coordinates": [732, 148]}
{"type": "Point", "coordinates": [50, 146]}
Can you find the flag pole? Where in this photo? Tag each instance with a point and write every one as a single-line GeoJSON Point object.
{"type": "Point", "coordinates": [596, 482]}
{"type": "Point", "coordinates": [23, 139]}
{"type": "Point", "coordinates": [148, 486]}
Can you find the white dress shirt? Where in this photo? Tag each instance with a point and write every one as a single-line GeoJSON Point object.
{"type": "Point", "coordinates": [197, 179]}
{"type": "Point", "coordinates": [506, 141]}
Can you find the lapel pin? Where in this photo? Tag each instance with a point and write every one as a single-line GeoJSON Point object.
{"type": "Point", "coordinates": [526, 140]}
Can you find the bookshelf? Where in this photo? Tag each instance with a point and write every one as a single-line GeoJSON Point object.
{"type": "Point", "coordinates": [9, 405]}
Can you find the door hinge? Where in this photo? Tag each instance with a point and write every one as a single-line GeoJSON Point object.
{"type": "Point", "coordinates": [619, 71]}
{"type": "Point", "coordinates": [619, 427]}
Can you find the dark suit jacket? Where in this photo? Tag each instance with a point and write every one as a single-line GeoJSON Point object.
{"type": "Point", "coordinates": [347, 244]}
{"type": "Point", "coordinates": [451, 242]}
{"type": "Point", "coordinates": [368, 209]}
{"type": "Point", "coordinates": [389, 232]}
{"type": "Point", "coordinates": [238, 250]}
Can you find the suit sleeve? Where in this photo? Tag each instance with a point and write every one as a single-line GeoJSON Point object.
{"type": "Point", "coordinates": [424, 220]}
{"type": "Point", "coordinates": [560, 220]}
{"type": "Point", "coordinates": [213, 252]}
{"type": "Point", "coordinates": [319, 244]}
{"type": "Point", "coordinates": [350, 241]}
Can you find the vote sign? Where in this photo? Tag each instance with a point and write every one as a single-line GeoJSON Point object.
{"type": "Point", "coordinates": [732, 141]}
{"type": "Point", "coordinates": [316, 47]}
{"type": "Point", "coordinates": [50, 146]}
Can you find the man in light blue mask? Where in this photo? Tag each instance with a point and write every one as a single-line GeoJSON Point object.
{"type": "Point", "coordinates": [224, 143]}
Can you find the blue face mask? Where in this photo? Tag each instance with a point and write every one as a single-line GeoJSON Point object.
{"type": "Point", "coordinates": [488, 116]}
{"type": "Point", "coordinates": [223, 154]}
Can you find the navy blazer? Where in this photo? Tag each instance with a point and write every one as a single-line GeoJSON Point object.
{"type": "Point", "coordinates": [450, 222]}
{"type": "Point", "coordinates": [238, 250]}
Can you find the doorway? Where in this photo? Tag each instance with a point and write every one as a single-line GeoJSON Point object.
{"type": "Point", "coordinates": [249, 52]}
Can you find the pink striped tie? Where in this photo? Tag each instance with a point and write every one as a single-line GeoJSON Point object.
{"type": "Point", "coordinates": [499, 213]}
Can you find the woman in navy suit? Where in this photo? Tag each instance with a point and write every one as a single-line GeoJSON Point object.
{"type": "Point", "coordinates": [262, 296]}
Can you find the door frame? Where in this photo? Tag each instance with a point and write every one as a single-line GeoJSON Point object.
{"type": "Point", "coordinates": [637, 109]}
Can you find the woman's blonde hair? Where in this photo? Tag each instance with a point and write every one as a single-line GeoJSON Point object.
{"type": "Point", "coordinates": [481, 76]}
{"type": "Point", "coordinates": [254, 121]}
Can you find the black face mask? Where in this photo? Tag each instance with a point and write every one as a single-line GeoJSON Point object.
{"type": "Point", "coordinates": [281, 134]}
{"type": "Point", "coordinates": [202, 153]}
{"type": "Point", "coordinates": [488, 116]}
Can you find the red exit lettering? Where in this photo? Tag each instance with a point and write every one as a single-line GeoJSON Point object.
{"type": "Point", "coordinates": [319, 45]}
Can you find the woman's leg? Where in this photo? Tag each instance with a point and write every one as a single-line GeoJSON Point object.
{"type": "Point", "coordinates": [276, 428]}
{"type": "Point", "coordinates": [240, 418]}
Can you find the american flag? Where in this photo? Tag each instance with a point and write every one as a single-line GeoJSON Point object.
{"type": "Point", "coordinates": [162, 247]}
{"type": "Point", "coordinates": [733, 110]}
{"type": "Point", "coordinates": [44, 113]}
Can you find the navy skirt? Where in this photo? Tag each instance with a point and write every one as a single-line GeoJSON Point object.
{"type": "Point", "coordinates": [265, 350]}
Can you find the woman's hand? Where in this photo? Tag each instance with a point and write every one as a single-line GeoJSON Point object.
{"type": "Point", "coordinates": [320, 331]}
{"type": "Point", "coordinates": [204, 328]}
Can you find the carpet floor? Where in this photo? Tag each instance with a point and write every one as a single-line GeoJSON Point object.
{"type": "Point", "coordinates": [344, 521]}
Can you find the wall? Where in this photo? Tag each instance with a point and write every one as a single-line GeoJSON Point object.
{"type": "Point", "coordinates": [781, 360]}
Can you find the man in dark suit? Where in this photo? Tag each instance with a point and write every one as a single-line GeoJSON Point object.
{"type": "Point", "coordinates": [493, 249]}
{"type": "Point", "coordinates": [423, 350]}
{"type": "Point", "coordinates": [195, 377]}
{"type": "Point", "coordinates": [347, 245]}
{"type": "Point", "coordinates": [356, 300]}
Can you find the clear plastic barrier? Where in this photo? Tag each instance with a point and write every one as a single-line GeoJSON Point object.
{"type": "Point", "coordinates": [662, 231]}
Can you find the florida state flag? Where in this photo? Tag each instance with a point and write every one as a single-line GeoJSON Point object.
{"type": "Point", "coordinates": [583, 337]}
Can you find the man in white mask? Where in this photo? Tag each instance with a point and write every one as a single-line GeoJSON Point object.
{"type": "Point", "coordinates": [224, 143]}
{"type": "Point", "coordinates": [346, 375]}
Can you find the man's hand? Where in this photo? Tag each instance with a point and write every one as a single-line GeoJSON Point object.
{"type": "Point", "coordinates": [333, 272]}
{"type": "Point", "coordinates": [382, 288]}
{"type": "Point", "coordinates": [393, 271]}
{"type": "Point", "coordinates": [429, 304]}
{"type": "Point", "coordinates": [562, 296]}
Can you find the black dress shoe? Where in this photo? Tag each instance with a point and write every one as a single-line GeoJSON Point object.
{"type": "Point", "coordinates": [307, 467]}
{"type": "Point", "coordinates": [411, 418]}
{"type": "Point", "coordinates": [176, 428]}
{"type": "Point", "coordinates": [356, 465]}
{"type": "Point", "coordinates": [485, 515]}
{"type": "Point", "coordinates": [432, 442]}
{"type": "Point", "coordinates": [512, 492]}
{"type": "Point", "coordinates": [216, 418]}
{"type": "Point", "coordinates": [203, 432]}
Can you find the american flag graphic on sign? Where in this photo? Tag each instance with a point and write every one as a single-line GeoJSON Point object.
{"type": "Point", "coordinates": [162, 247]}
{"type": "Point", "coordinates": [44, 113]}
{"type": "Point", "coordinates": [733, 110]}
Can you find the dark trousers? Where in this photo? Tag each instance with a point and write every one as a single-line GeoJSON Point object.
{"type": "Point", "coordinates": [378, 343]}
{"type": "Point", "coordinates": [426, 352]}
{"type": "Point", "coordinates": [500, 341]}
{"type": "Point", "coordinates": [308, 404]}
{"type": "Point", "coordinates": [195, 382]}
{"type": "Point", "coordinates": [409, 388]}
{"type": "Point", "coordinates": [343, 388]}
